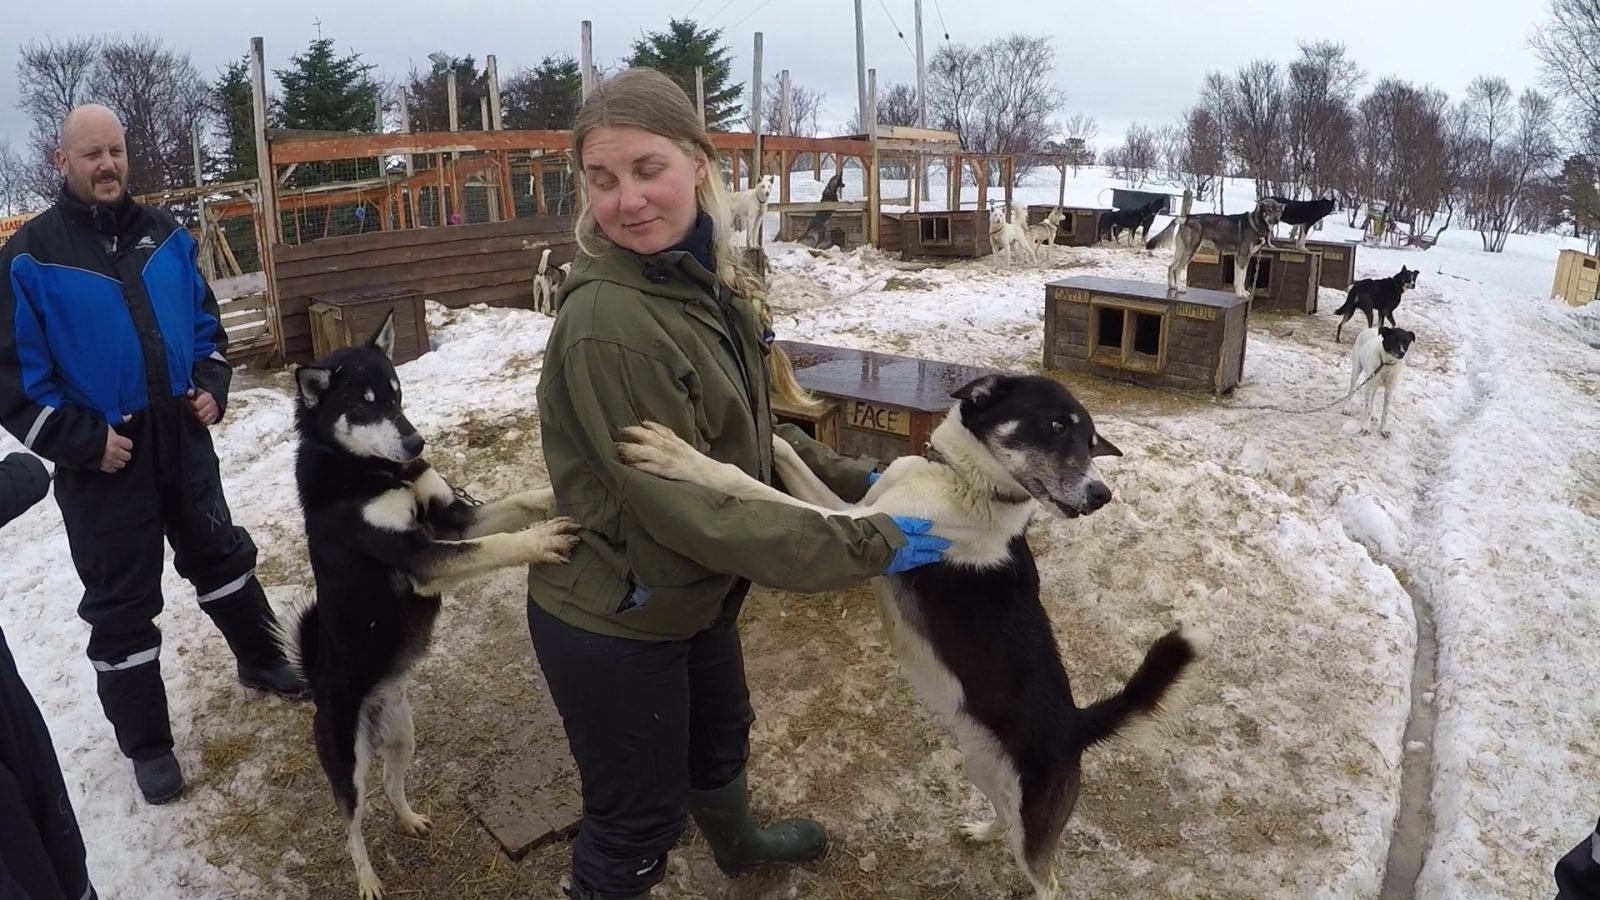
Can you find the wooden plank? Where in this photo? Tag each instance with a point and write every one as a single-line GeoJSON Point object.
{"type": "Point", "coordinates": [434, 281]}
{"type": "Point", "coordinates": [288, 149]}
{"type": "Point", "coordinates": [422, 252]}
{"type": "Point", "coordinates": [500, 266]}
{"type": "Point", "coordinates": [380, 240]}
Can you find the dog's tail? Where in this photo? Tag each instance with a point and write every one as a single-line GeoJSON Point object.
{"type": "Point", "coordinates": [1153, 687]}
{"type": "Point", "coordinates": [1349, 302]}
{"type": "Point", "coordinates": [295, 633]}
{"type": "Point", "coordinates": [544, 261]}
{"type": "Point", "coordinates": [1164, 236]}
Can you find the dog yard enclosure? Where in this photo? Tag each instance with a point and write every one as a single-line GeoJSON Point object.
{"type": "Point", "coordinates": [883, 406]}
{"type": "Point", "coordinates": [1577, 278]}
{"type": "Point", "coordinates": [1079, 226]}
{"type": "Point", "coordinates": [492, 263]}
{"type": "Point", "coordinates": [1140, 332]}
{"type": "Point", "coordinates": [1338, 262]}
{"type": "Point", "coordinates": [842, 224]}
{"type": "Point", "coordinates": [346, 318]}
{"type": "Point", "coordinates": [1283, 279]}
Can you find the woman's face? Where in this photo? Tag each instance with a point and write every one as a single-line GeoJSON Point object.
{"type": "Point", "coordinates": [641, 187]}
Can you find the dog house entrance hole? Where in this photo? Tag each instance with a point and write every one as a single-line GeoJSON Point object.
{"type": "Point", "coordinates": [1130, 338]}
{"type": "Point", "coordinates": [1258, 271]}
{"type": "Point", "coordinates": [935, 229]}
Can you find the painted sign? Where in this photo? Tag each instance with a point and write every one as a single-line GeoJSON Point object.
{"type": "Point", "coordinates": [875, 417]}
{"type": "Point", "coordinates": [9, 225]}
{"type": "Point", "coordinates": [1196, 311]}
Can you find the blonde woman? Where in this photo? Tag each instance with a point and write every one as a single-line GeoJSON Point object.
{"type": "Point", "coordinates": [637, 636]}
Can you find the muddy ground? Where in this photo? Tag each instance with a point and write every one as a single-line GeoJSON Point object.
{"type": "Point", "coordinates": [1226, 801]}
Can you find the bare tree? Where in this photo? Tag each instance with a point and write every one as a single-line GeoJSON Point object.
{"type": "Point", "coordinates": [1321, 86]}
{"type": "Point", "coordinates": [1568, 45]}
{"type": "Point", "coordinates": [1216, 98]}
{"type": "Point", "coordinates": [1513, 149]}
{"type": "Point", "coordinates": [158, 94]}
{"type": "Point", "coordinates": [1077, 133]}
{"type": "Point", "coordinates": [1139, 154]}
{"type": "Point", "coordinates": [1190, 151]}
{"type": "Point", "coordinates": [999, 98]}
{"type": "Point", "coordinates": [14, 193]}
{"type": "Point", "coordinates": [805, 108]}
{"type": "Point", "coordinates": [52, 78]}
{"type": "Point", "coordinates": [1257, 117]}
{"type": "Point", "coordinates": [897, 105]}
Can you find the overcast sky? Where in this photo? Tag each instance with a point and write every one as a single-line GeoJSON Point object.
{"type": "Point", "coordinates": [1121, 61]}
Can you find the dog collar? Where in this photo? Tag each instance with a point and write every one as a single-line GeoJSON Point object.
{"type": "Point", "coordinates": [995, 494]}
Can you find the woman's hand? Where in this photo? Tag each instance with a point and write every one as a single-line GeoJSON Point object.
{"type": "Point", "coordinates": [922, 547]}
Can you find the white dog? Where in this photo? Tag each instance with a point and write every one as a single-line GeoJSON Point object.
{"type": "Point", "coordinates": [1004, 235]}
{"type": "Point", "coordinates": [546, 282]}
{"type": "Point", "coordinates": [1379, 356]}
{"type": "Point", "coordinates": [749, 208]}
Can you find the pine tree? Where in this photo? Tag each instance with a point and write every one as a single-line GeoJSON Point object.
{"type": "Point", "coordinates": [322, 92]}
{"type": "Point", "coordinates": [677, 51]}
{"type": "Point", "coordinates": [428, 95]}
{"type": "Point", "coordinates": [545, 98]}
{"type": "Point", "coordinates": [234, 108]}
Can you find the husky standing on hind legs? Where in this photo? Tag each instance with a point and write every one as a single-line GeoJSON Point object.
{"type": "Point", "coordinates": [1240, 234]}
{"type": "Point", "coordinates": [970, 632]}
{"type": "Point", "coordinates": [386, 535]}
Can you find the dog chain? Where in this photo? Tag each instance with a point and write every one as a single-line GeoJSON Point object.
{"type": "Point", "coordinates": [466, 497]}
{"type": "Point", "coordinates": [1352, 393]}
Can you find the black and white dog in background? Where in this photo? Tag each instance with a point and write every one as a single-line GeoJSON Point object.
{"type": "Point", "coordinates": [386, 536]}
{"type": "Point", "coordinates": [970, 632]}
{"type": "Point", "coordinates": [1375, 296]}
{"type": "Point", "coordinates": [1302, 216]}
{"type": "Point", "coordinates": [1380, 357]}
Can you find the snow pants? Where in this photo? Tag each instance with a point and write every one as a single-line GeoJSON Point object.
{"type": "Point", "coordinates": [41, 849]}
{"type": "Point", "coordinates": [646, 722]}
{"type": "Point", "coordinates": [115, 522]}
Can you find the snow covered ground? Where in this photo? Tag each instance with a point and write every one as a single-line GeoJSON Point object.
{"type": "Point", "coordinates": [1290, 535]}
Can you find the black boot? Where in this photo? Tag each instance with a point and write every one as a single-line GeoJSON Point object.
{"type": "Point", "coordinates": [740, 847]}
{"type": "Point", "coordinates": [247, 623]}
{"type": "Point", "coordinates": [160, 779]}
{"type": "Point", "coordinates": [575, 892]}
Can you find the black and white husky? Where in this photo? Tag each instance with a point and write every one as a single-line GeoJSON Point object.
{"type": "Point", "coordinates": [970, 632]}
{"type": "Point", "coordinates": [1379, 356]}
{"type": "Point", "coordinates": [386, 535]}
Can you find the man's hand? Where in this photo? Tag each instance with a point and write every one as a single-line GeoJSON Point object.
{"type": "Point", "coordinates": [204, 406]}
{"type": "Point", "coordinates": [118, 451]}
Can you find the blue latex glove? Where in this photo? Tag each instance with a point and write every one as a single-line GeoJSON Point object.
{"type": "Point", "coordinates": [921, 547]}
{"type": "Point", "coordinates": [872, 478]}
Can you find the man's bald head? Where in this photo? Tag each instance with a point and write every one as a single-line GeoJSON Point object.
{"type": "Point", "coordinates": [93, 156]}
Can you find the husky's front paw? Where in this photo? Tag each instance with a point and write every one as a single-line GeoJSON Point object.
{"type": "Point", "coordinates": [413, 824]}
{"type": "Point", "coordinates": [983, 832]}
{"type": "Point", "coordinates": [550, 541]}
{"type": "Point", "coordinates": [655, 448]}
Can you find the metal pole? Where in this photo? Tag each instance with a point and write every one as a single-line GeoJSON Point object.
{"type": "Point", "coordinates": [861, 65]}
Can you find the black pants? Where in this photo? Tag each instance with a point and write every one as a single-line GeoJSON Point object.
{"type": "Point", "coordinates": [646, 721]}
{"type": "Point", "coordinates": [115, 523]}
{"type": "Point", "coordinates": [41, 849]}
{"type": "Point", "coordinates": [1578, 873]}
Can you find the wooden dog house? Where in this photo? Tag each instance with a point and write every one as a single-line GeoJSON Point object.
{"type": "Point", "coordinates": [1140, 332]}
{"type": "Point", "coordinates": [959, 233]}
{"type": "Point", "coordinates": [842, 228]}
{"type": "Point", "coordinates": [1338, 262]}
{"type": "Point", "coordinates": [1079, 224]}
{"type": "Point", "coordinates": [880, 405]}
{"type": "Point", "coordinates": [1577, 277]}
{"type": "Point", "coordinates": [346, 318]}
{"type": "Point", "coordinates": [1283, 279]}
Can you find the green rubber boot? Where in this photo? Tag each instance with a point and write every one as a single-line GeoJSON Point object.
{"type": "Point", "coordinates": [739, 847]}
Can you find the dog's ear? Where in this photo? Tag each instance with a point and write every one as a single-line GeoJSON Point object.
{"type": "Point", "coordinates": [383, 338]}
{"type": "Point", "coordinates": [313, 382]}
{"type": "Point", "coordinates": [979, 391]}
{"type": "Point", "coordinates": [1099, 446]}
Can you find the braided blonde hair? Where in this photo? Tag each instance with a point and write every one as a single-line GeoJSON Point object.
{"type": "Point", "coordinates": [650, 101]}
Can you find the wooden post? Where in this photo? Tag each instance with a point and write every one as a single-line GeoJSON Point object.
{"type": "Point", "coordinates": [453, 98]}
{"type": "Point", "coordinates": [980, 171]}
{"type": "Point", "coordinates": [405, 128]}
{"type": "Point", "coordinates": [538, 189]}
{"type": "Point", "coordinates": [756, 168]}
{"type": "Point", "coordinates": [861, 67]}
{"type": "Point", "coordinates": [492, 72]}
{"type": "Point", "coordinates": [700, 93]}
{"type": "Point", "coordinates": [266, 180]}
{"type": "Point", "coordinates": [785, 130]}
{"type": "Point", "coordinates": [208, 266]}
{"type": "Point", "coordinates": [874, 189]}
{"type": "Point", "coordinates": [1061, 197]}
{"type": "Point", "coordinates": [1005, 173]}
{"type": "Point", "coordinates": [588, 58]}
